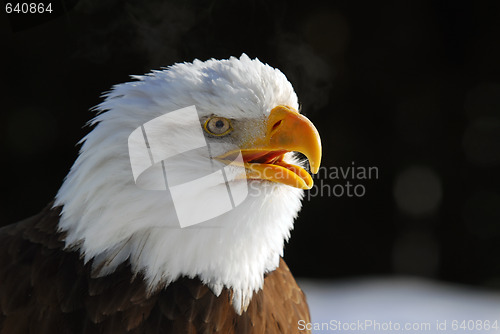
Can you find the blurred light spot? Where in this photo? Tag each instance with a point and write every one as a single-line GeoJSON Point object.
{"type": "Point", "coordinates": [482, 214]}
{"type": "Point", "coordinates": [482, 141]}
{"type": "Point", "coordinates": [417, 191]}
{"type": "Point", "coordinates": [416, 253]}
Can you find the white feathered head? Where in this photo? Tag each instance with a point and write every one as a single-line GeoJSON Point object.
{"type": "Point", "coordinates": [189, 171]}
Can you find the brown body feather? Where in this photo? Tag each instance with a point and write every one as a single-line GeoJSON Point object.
{"type": "Point", "coordinates": [45, 289]}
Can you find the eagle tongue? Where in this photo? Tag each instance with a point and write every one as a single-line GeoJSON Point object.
{"type": "Point", "coordinates": [265, 157]}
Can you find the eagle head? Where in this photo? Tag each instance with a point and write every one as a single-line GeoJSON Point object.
{"type": "Point", "coordinates": [191, 171]}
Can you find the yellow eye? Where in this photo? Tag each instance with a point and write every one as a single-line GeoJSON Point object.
{"type": "Point", "coordinates": [218, 126]}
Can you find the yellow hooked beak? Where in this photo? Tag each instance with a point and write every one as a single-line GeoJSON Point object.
{"type": "Point", "coordinates": [286, 131]}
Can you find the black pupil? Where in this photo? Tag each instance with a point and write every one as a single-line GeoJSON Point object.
{"type": "Point", "coordinates": [219, 124]}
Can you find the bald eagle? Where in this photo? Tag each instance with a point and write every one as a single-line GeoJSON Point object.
{"type": "Point", "coordinates": [110, 254]}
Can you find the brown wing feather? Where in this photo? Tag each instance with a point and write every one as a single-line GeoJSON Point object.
{"type": "Point", "coordinates": [45, 289]}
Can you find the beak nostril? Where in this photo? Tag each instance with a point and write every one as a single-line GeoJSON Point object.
{"type": "Point", "coordinates": [276, 126]}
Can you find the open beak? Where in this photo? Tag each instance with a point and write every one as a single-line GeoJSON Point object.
{"type": "Point", "coordinates": [286, 131]}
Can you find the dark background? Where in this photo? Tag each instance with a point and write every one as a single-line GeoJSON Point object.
{"type": "Point", "coordinates": [410, 87]}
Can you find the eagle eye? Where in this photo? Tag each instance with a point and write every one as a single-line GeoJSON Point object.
{"type": "Point", "coordinates": [218, 126]}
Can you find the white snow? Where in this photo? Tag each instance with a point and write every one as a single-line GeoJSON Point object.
{"type": "Point", "coordinates": [389, 305]}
